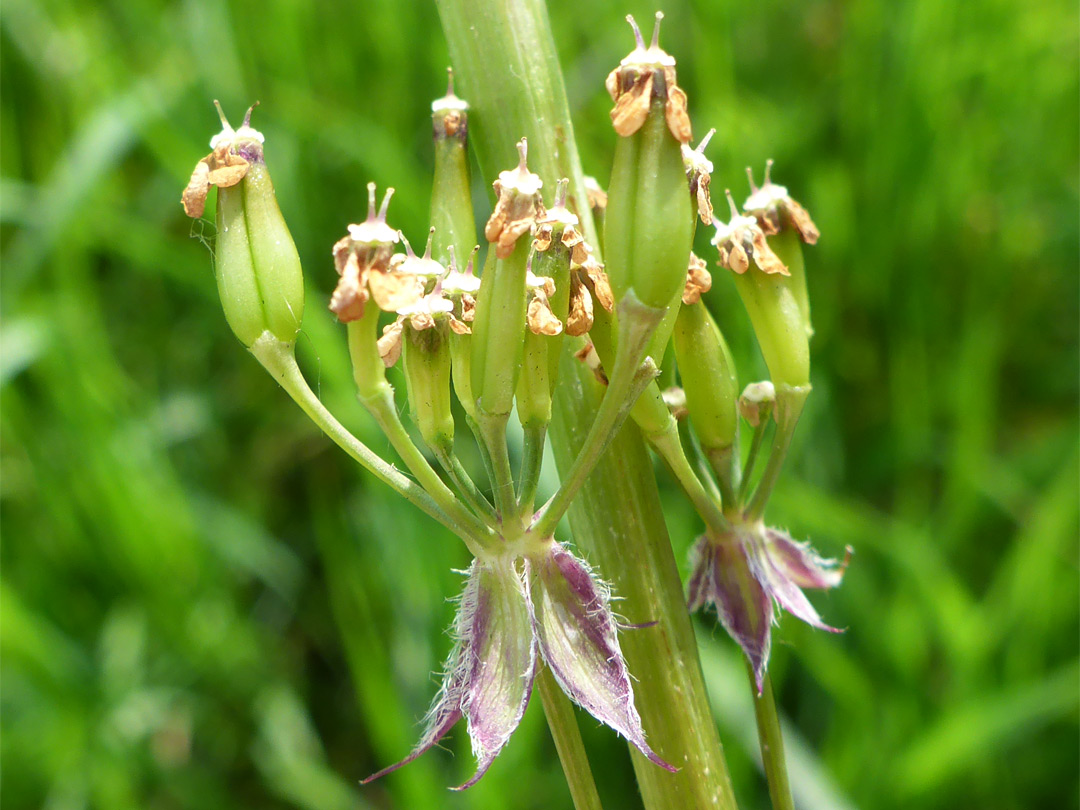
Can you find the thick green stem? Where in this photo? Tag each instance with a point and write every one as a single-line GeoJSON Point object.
{"type": "Point", "coordinates": [619, 521]}
{"type": "Point", "coordinates": [771, 742]}
{"type": "Point", "coordinates": [567, 737]}
{"type": "Point", "coordinates": [505, 57]}
{"type": "Point", "coordinates": [278, 359]}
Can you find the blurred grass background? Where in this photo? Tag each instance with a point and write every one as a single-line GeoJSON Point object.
{"type": "Point", "coordinates": [204, 604]}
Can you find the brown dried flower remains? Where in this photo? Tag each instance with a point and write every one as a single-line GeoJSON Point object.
{"type": "Point", "coordinates": [518, 207]}
{"type": "Point", "coordinates": [698, 280]}
{"type": "Point", "coordinates": [644, 76]}
{"type": "Point", "coordinates": [362, 259]}
{"type": "Point", "coordinates": [223, 167]}
{"type": "Point", "coordinates": [741, 241]}
{"type": "Point", "coordinates": [775, 210]}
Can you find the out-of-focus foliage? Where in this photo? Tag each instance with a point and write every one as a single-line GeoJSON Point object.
{"type": "Point", "coordinates": [203, 604]}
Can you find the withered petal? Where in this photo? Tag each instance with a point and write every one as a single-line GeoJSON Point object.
{"type": "Point", "coordinates": [801, 221]}
{"type": "Point", "coordinates": [395, 291]}
{"type": "Point", "coordinates": [226, 176]}
{"type": "Point", "coordinates": [389, 345]}
{"type": "Point", "coordinates": [351, 293]}
{"type": "Point", "coordinates": [599, 284]}
{"type": "Point", "coordinates": [764, 257]}
{"type": "Point", "coordinates": [541, 319]}
{"type": "Point", "coordinates": [737, 259]}
{"type": "Point", "coordinates": [698, 280]}
{"type": "Point", "coordinates": [459, 327]}
{"type": "Point", "coordinates": [579, 320]}
{"type": "Point", "coordinates": [632, 107]}
{"type": "Point", "coordinates": [341, 251]}
{"type": "Point", "coordinates": [194, 196]}
{"type": "Point", "coordinates": [704, 199]}
{"type": "Point", "coordinates": [611, 84]}
{"type": "Point", "coordinates": [678, 120]}
{"type": "Point", "coordinates": [468, 308]}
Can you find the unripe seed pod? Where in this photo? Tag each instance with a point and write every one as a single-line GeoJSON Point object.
{"type": "Point", "coordinates": [461, 341]}
{"type": "Point", "coordinates": [260, 281]}
{"type": "Point", "coordinates": [648, 224]}
{"type": "Point", "coordinates": [369, 371]}
{"type": "Point", "coordinates": [707, 370]}
{"type": "Point", "coordinates": [451, 197]}
{"type": "Point", "coordinates": [767, 291]}
{"type": "Point", "coordinates": [556, 238]}
{"type": "Point", "coordinates": [499, 328]}
{"type": "Point", "coordinates": [650, 413]}
{"type": "Point", "coordinates": [779, 215]}
{"type": "Point", "coordinates": [427, 375]}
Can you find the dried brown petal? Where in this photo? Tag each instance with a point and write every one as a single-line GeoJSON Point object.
{"type": "Point", "coordinates": [452, 121]}
{"type": "Point", "coordinates": [468, 308]}
{"type": "Point", "coordinates": [421, 320]}
{"type": "Point", "coordinates": [678, 120]}
{"type": "Point", "coordinates": [632, 107]}
{"type": "Point", "coordinates": [587, 355]}
{"type": "Point", "coordinates": [351, 293]}
{"type": "Point", "coordinates": [704, 200]}
{"type": "Point", "coordinates": [395, 291]}
{"type": "Point", "coordinates": [194, 196]}
{"type": "Point", "coordinates": [611, 83]}
{"type": "Point", "coordinates": [542, 239]}
{"type": "Point", "coordinates": [580, 318]}
{"type": "Point", "coordinates": [736, 259]}
{"type": "Point", "coordinates": [597, 197]}
{"type": "Point", "coordinates": [229, 174]}
{"type": "Point", "coordinates": [599, 283]}
{"type": "Point", "coordinates": [389, 345]}
{"type": "Point", "coordinates": [769, 221]}
{"type": "Point", "coordinates": [541, 319]}
{"type": "Point", "coordinates": [801, 221]}
{"type": "Point", "coordinates": [698, 280]}
{"type": "Point", "coordinates": [518, 208]}
{"type": "Point", "coordinates": [459, 327]}
{"type": "Point", "coordinates": [513, 216]}
{"type": "Point", "coordinates": [342, 249]}
{"type": "Point", "coordinates": [572, 238]}
{"type": "Point", "coordinates": [764, 257]}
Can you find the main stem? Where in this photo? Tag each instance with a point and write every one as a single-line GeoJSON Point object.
{"type": "Point", "coordinates": [504, 56]}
